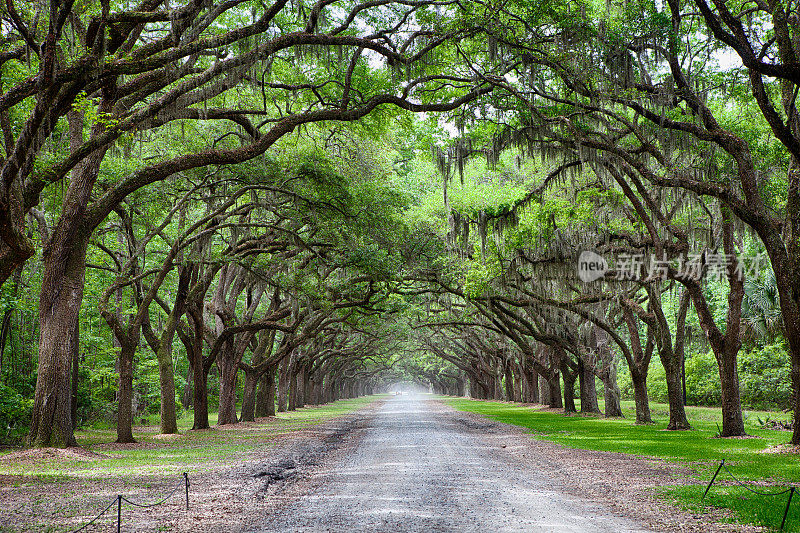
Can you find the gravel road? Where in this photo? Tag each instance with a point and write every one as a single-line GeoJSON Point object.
{"type": "Point", "coordinates": [421, 467]}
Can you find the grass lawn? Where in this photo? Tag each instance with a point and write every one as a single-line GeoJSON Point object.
{"type": "Point", "coordinates": [161, 455]}
{"type": "Point", "coordinates": [698, 449]}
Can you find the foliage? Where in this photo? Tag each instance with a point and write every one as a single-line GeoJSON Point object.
{"type": "Point", "coordinates": [586, 140]}
{"type": "Point", "coordinates": [15, 413]}
{"type": "Point", "coordinates": [764, 380]}
{"type": "Point", "coordinates": [764, 377]}
{"type": "Point", "coordinates": [702, 379]}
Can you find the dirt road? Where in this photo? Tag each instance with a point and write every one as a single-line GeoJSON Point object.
{"type": "Point", "coordinates": [419, 467]}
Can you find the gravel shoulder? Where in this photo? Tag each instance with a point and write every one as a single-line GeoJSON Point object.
{"type": "Point", "coordinates": [239, 497]}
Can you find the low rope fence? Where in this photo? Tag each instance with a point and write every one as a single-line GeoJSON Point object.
{"type": "Point", "coordinates": [790, 491]}
{"type": "Point", "coordinates": [184, 483]}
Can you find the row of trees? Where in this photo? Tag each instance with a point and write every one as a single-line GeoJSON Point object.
{"type": "Point", "coordinates": [109, 99]}
{"type": "Point", "coordinates": [208, 165]}
{"type": "Point", "coordinates": [646, 161]}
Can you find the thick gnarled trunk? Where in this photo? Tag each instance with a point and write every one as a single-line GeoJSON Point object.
{"type": "Point", "coordinates": [200, 374]}
{"type": "Point", "coordinates": [588, 389]}
{"type": "Point", "coordinates": [64, 259]}
{"type": "Point", "coordinates": [265, 402]}
{"type": "Point", "coordinates": [677, 412]}
{"type": "Point", "coordinates": [125, 394]}
{"type": "Point", "coordinates": [786, 265]}
{"type": "Point", "coordinates": [283, 385]}
{"type": "Point", "coordinates": [59, 309]}
{"type": "Point", "coordinates": [249, 396]}
{"type": "Point", "coordinates": [611, 393]}
{"type": "Point", "coordinates": [531, 388]}
{"type": "Point", "coordinates": [732, 419]}
{"type": "Point", "coordinates": [569, 376]}
{"type": "Point", "coordinates": [554, 399]}
{"type": "Point", "coordinates": [228, 371]}
{"type": "Point", "coordinates": [640, 398]}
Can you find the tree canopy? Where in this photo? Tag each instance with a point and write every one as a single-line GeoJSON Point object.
{"type": "Point", "coordinates": [273, 204]}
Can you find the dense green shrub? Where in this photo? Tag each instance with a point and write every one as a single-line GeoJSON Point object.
{"type": "Point", "coordinates": [657, 382]}
{"type": "Point", "coordinates": [702, 379]}
{"type": "Point", "coordinates": [15, 415]}
{"type": "Point", "coordinates": [764, 380]}
{"type": "Point", "coordinates": [624, 381]}
{"type": "Point", "coordinates": [763, 377]}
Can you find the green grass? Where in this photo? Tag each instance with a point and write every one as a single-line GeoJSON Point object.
{"type": "Point", "coordinates": [743, 505]}
{"type": "Point", "coordinates": [698, 449]}
{"type": "Point", "coordinates": [156, 455]}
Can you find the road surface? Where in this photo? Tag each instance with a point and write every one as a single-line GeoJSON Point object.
{"type": "Point", "coordinates": [419, 467]}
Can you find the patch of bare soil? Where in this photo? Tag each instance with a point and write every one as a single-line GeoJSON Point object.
{"type": "Point", "coordinates": [237, 498]}
{"type": "Point", "coordinates": [37, 455]}
{"type": "Point", "coordinates": [626, 484]}
{"type": "Point", "coordinates": [168, 436]}
{"type": "Point", "coordinates": [782, 448]}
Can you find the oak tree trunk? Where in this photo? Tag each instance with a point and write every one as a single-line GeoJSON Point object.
{"type": "Point", "coordinates": [732, 420]}
{"type": "Point", "coordinates": [677, 411]}
{"type": "Point", "coordinates": [265, 403]}
{"type": "Point", "coordinates": [300, 388]}
{"type": "Point", "coordinates": [588, 389]}
{"type": "Point", "coordinates": [228, 372]}
{"type": "Point", "coordinates": [188, 391]}
{"type": "Point", "coordinates": [639, 381]}
{"type": "Point", "coordinates": [75, 374]}
{"type": "Point", "coordinates": [249, 396]}
{"type": "Point", "coordinates": [509, 383]}
{"type": "Point", "coordinates": [283, 385]}
{"type": "Point", "coordinates": [532, 382]}
{"type": "Point", "coordinates": [166, 382]}
{"type": "Point", "coordinates": [200, 377]}
{"type": "Point", "coordinates": [670, 355]}
{"type": "Point", "coordinates": [291, 395]}
{"type": "Point", "coordinates": [611, 393]}
{"type": "Point", "coordinates": [125, 394]}
{"type": "Point", "coordinates": [554, 392]}
{"type": "Point", "coordinates": [59, 308]}
{"type": "Point", "coordinates": [544, 391]}
{"type": "Point", "coordinates": [569, 376]}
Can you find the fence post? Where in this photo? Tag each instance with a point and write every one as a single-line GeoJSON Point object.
{"type": "Point", "coordinates": [786, 512]}
{"type": "Point", "coordinates": [186, 477]}
{"type": "Point", "coordinates": [119, 512]}
{"type": "Point", "coordinates": [712, 479]}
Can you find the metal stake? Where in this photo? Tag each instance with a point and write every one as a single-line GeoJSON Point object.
{"type": "Point", "coordinates": [186, 477]}
{"type": "Point", "coordinates": [712, 479]}
{"type": "Point", "coordinates": [786, 512]}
